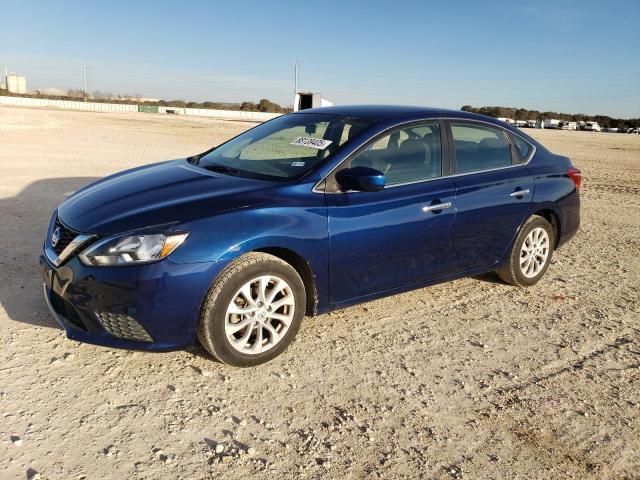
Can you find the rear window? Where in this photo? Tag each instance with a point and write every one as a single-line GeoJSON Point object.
{"type": "Point", "coordinates": [479, 147]}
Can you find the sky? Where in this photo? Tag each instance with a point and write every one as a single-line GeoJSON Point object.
{"type": "Point", "coordinates": [565, 56]}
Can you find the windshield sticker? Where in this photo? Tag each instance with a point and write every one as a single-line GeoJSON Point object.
{"type": "Point", "coordinates": [297, 164]}
{"type": "Point", "coordinates": [317, 143]}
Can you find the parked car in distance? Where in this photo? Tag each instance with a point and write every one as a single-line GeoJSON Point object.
{"type": "Point", "coordinates": [306, 213]}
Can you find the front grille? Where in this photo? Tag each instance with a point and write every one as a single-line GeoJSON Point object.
{"type": "Point", "coordinates": [65, 310]}
{"type": "Point", "coordinates": [123, 326]}
{"type": "Point", "coordinates": [66, 237]}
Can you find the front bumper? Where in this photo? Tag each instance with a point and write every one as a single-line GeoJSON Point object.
{"type": "Point", "coordinates": [144, 307]}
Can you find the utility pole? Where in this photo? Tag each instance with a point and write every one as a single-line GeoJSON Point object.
{"type": "Point", "coordinates": [84, 79]}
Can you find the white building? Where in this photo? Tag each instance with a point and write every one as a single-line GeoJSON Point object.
{"type": "Point", "coordinates": [304, 100]}
{"type": "Point", "coordinates": [566, 125]}
{"type": "Point", "coordinates": [592, 127]}
{"type": "Point", "coordinates": [16, 83]}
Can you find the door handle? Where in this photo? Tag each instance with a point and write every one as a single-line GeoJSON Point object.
{"type": "Point", "coordinates": [437, 206]}
{"type": "Point", "coordinates": [520, 193]}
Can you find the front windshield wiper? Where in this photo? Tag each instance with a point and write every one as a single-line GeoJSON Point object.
{"type": "Point", "coordinates": [221, 169]}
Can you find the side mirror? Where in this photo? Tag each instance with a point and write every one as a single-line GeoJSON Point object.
{"type": "Point", "coordinates": [362, 179]}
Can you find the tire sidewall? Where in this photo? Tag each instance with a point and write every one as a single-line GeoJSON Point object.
{"type": "Point", "coordinates": [215, 322]}
{"type": "Point", "coordinates": [535, 222]}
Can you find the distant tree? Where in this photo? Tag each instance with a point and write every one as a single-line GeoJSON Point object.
{"type": "Point", "coordinates": [265, 105]}
{"type": "Point", "coordinates": [75, 93]}
{"type": "Point", "coordinates": [521, 114]}
{"type": "Point", "coordinates": [99, 95]}
{"type": "Point", "coordinates": [248, 106]}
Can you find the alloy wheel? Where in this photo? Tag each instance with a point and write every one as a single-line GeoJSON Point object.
{"type": "Point", "coordinates": [534, 252]}
{"type": "Point", "coordinates": [259, 314]}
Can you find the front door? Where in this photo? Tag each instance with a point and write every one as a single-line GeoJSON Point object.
{"type": "Point", "coordinates": [398, 236]}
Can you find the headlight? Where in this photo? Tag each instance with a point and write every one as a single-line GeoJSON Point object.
{"type": "Point", "coordinates": [132, 249]}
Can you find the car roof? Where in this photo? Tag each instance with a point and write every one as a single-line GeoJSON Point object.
{"type": "Point", "coordinates": [384, 112]}
{"type": "Point", "coordinates": [377, 113]}
{"type": "Point", "coordinates": [374, 112]}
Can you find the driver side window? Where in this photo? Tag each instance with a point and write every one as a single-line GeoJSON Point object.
{"type": "Point", "coordinates": [408, 154]}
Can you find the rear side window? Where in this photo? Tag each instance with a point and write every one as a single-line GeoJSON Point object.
{"type": "Point", "coordinates": [479, 147]}
{"type": "Point", "coordinates": [523, 148]}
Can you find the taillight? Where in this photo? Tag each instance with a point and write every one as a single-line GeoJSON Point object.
{"type": "Point", "coordinates": [576, 176]}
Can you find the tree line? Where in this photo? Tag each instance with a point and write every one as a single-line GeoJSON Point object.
{"type": "Point", "coordinates": [525, 114]}
{"type": "Point", "coordinates": [263, 105]}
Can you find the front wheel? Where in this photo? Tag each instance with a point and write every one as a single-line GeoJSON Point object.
{"type": "Point", "coordinates": [531, 253]}
{"type": "Point", "coordinates": [252, 311]}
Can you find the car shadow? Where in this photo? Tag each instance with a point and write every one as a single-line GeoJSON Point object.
{"type": "Point", "coordinates": [25, 218]}
{"type": "Point", "coordinates": [490, 277]}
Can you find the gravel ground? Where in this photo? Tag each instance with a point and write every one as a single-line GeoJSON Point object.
{"type": "Point", "coordinates": [469, 379]}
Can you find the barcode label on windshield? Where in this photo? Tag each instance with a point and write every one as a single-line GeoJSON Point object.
{"type": "Point", "coordinates": [317, 143]}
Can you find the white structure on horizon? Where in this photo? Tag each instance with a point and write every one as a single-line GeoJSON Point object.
{"type": "Point", "coordinates": [567, 125]}
{"type": "Point", "coordinates": [506, 120]}
{"type": "Point", "coordinates": [592, 127]}
{"type": "Point", "coordinates": [15, 83]}
{"type": "Point", "coordinates": [304, 100]}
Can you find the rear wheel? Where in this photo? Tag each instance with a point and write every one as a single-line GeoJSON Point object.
{"type": "Point", "coordinates": [252, 311]}
{"type": "Point", "coordinates": [531, 253]}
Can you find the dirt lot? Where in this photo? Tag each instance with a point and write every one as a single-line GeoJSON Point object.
{"type": "Point", "coordinates": [470, 379]}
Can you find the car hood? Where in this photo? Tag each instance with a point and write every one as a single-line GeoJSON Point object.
{"type": "Point", "coordinates": [157, 194]}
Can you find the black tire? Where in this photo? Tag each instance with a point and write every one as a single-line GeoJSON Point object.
{"type": "Point", "coordinates": [211, 325]}
{"type": "Point", "coordinates": [510, 272]}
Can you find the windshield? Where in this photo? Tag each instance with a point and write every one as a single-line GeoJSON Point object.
{"type": "Point", "coordinates": [284, 148]}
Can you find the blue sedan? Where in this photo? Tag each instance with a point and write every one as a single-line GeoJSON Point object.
{"type": "Point", "coordinates": [306, 213]}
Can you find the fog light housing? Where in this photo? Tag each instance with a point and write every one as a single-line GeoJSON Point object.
{"type": "Point", "coordinates": [123, 326]}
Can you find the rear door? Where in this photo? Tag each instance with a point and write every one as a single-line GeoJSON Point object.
{"type": "Point", "coordinates": [401, 235]}
{"type": "Point", "coordinates": [494, 189]}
